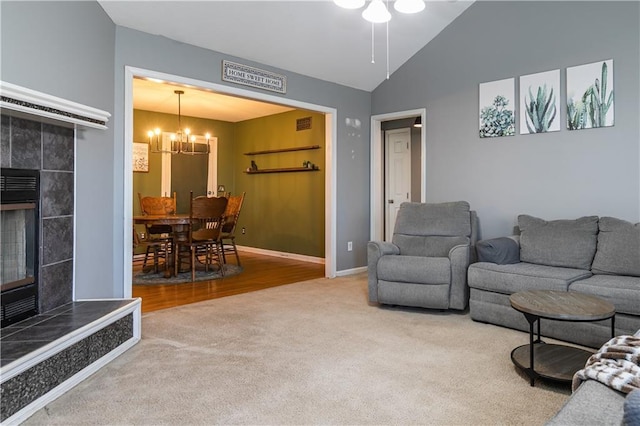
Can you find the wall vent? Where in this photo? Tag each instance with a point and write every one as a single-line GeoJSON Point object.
{"type": "Point", "coordinates": [303, 124]}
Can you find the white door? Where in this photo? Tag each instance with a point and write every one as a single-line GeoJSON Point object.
{"type": "Point", "coordinates": [397, 175]}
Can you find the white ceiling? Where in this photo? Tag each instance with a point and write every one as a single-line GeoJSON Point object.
{"type": "Point", "coordinates": [313, 38]}
{"type": "Point", "coordinates": [160, 97]}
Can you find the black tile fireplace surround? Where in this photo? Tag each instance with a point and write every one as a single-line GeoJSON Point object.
{"type": "Point", "coordinates": [49, 148]}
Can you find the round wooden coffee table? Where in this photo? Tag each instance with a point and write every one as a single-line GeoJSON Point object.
{"type": "Point", "coordinates": [552, 361]}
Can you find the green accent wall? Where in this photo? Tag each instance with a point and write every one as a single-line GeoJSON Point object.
{"type": "Point", "coordinates": [282, 212]}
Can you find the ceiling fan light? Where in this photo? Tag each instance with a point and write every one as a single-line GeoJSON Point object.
{"type": "Point", "coordinates": [409, 6]}
{"type": "Point", "coordinates": [376, 13]}
{"type": "Point", "coordinates": [350, 4]}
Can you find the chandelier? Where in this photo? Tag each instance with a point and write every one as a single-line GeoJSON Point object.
{"type": "Point", "coordinates": [378, 13]}
{"type": "Point", "coordinates": [180, 142]}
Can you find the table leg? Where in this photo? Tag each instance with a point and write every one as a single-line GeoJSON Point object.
{"type": "Point", "coordinates": [180, 235]}
{"type": "Point", "coordinates": [168, 270]}
{"type": "Point", "coordinates": [613, 326]}
{"type": "Point", "coordinates": [531, 371]}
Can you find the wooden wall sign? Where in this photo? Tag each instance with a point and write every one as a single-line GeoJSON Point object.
{"type": "Point", "coordinates": [250, 76]}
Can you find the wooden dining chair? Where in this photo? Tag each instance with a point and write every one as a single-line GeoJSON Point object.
{"type": "Point", "coordinates": [206, 215]}
{"type": "Point", "coordinates": [159, 249]}
{"type": "Point", "coordinates": [227, 238]}
{"type": "Point", "coordinates": [158, 206]}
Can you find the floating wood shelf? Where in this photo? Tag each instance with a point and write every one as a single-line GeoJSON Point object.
{"type": "Point", "coordinates": [275, 151]}
{"type": "Point", "coordinates": [282, 170]}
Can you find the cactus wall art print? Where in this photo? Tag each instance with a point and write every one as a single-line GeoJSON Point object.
{"type": "Point", "coordinates": [497, 108]}
{"type": "Point", "coordinates": [540, 102]}
{"type": "Point", "coordinates": [590, 96]}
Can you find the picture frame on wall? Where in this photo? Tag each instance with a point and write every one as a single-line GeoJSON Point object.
{"type": "Point", "coordinates": [140, 157]}
{"type": "Point", "coordinates": [590, 95]}
{"type": "Point", "coordinates": [497, 108]}
{"type": "Point", "coordinates": [539, 102]}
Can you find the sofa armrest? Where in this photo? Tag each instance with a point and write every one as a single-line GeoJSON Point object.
{"type": "Point", "coordinates": [502, 251]}
{"type": "Point", "coordinates": [460, 258]}
{"type": "Point", "coordinates": [375, 250]}
{"type": "Point", "coordinates": [592, 403]}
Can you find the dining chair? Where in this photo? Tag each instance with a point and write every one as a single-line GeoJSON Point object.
{"type": "Point", "coordinates": [231, 215]}
{"type": "Point", "coordinates": [158, 206]}
{"type": "Point", "coordinates": [206, 215]}
{"type": "Point", "coordinates": [158, 247]}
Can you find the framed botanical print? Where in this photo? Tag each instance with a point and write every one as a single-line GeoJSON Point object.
{"type": "Point", "coordinates": [140, 157]}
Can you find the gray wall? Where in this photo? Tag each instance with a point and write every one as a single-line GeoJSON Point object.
{"type": "Point", "coordinates": [564, 174]}
{"type": "Point", "coordinates": [66, 49]}
{"type": "Point", "coordinates": [74, 51]}
{"type": "Point", "coordinates": [142, 50]}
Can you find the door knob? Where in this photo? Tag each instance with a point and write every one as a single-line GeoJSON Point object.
{"type": "Point", "coordinates": [390, 201]}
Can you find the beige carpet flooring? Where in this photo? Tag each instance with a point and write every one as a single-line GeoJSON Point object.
{"type": "Point", "coordinates": [310, 353]}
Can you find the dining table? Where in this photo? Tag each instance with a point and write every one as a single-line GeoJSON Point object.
{"type": "Point", "coordinates": [179, 223]}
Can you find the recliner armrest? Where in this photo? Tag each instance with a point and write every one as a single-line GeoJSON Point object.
{"type": "Point", "coordinates": [459, 258]}
{"type": "Point", "coordinates": [383, 248]}
{"type": "Point", "coordinates": [375, 250]}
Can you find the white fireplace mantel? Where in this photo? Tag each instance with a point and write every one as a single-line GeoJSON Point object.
{"type": "Point", "coordinates": [34, 103]}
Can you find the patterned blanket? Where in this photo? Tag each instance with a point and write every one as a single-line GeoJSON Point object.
{"type": "Point", "coordinates": [616, 364]}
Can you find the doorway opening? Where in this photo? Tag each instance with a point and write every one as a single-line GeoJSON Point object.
{"type": "Point", "coordinates": [330, 125]}
{"type": "Point", "coordinates": [378, 178]}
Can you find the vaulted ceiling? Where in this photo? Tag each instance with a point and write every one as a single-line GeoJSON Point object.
{"type": "Point", "coordinates": [313, 38]}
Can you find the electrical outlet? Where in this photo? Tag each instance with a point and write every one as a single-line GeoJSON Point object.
{"type": "Point", "coordinates": [349, 245]}
{"type": "Point", "coordinates": [244, 231]}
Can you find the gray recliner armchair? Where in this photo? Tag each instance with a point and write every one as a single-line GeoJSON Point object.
{"type": "Point", "coordinates": [426, 263]}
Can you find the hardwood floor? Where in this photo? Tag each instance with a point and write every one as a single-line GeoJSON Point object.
{"type": "Point", "coordinates": [259, 272]}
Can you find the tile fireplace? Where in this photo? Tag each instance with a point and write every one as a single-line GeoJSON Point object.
{"type": "Point", "coordinates": [43, 152]}
{"type": "Point", "coordinates": [66, 340]}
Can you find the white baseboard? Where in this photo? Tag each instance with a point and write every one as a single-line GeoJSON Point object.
{"type": "Point", "coordinates": [352, 271]}
{"type": "Point", "coordinates": [302, 258]}
{"type": "Point", "coordinates": [295, 256]}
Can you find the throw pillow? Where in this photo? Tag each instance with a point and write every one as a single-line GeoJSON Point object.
{"type": "Point", "coordinates": [502, 251]}
{"type": "Point", "coordinates": [618, 248]}
{"type": "Point", "coordinates": [565, 243]}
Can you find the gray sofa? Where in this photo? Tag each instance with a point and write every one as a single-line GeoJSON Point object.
{"type": "Point", "coordinates": [594, 403]}
{"type": "Point", "coordinates": [597, 256]}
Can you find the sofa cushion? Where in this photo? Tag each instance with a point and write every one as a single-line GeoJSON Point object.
{"type": "Point", "coordinates": [565, 243]}
{"type": "Point", "coordinates": [411, 245]}
{"type": "Point", "coordinates": [618, 248]}
{"type": "Point", "coordinates": [502, 251]}
{"type": "Point", "coordinates": [508, 279]}
{"type": "Point", "coordinates": [415, 269]}
{"type": "Point", "coordinates": [432, 229]}
{"type": "Point", "coordinates": [622, 291]}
